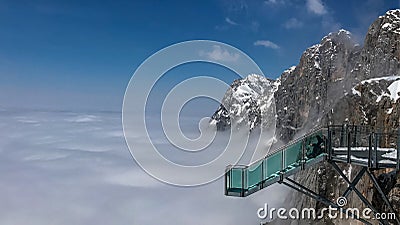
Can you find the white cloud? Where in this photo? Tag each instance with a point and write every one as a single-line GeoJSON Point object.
{"type": "Point", "coordinates": [316, 7]}
{"type": "Point", "coordinates": [328, 22]}
{"type": "Point", "coordinates": [271, 2]}
{"type": "Point", "coordinates": [275, 2]}
{"type": "Point", "coordinates": [267, 44]}
{"type": "Point", "coordinates": [293, 23]}
{"type": "Point", "coordinates": [231, 22]}
{"type": "Point", "coordinates": [220, 54]}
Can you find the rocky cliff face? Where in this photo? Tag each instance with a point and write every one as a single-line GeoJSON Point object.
{"type": "Point", "coordinates": [367, 93]}
{"type": "Point", "coordinates": [338, 81]}
{"type": "Point", "coordinates": [373, 102]}
{"type": "Point", "coordinates": [324, 70]}
{"type": "Point", "coordinates": [381, 52]}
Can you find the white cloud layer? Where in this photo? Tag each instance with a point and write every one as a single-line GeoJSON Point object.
{"type": "Point", "coordinates": [267, 44]}
{"type": "Point", "coordinates": [74, 168]}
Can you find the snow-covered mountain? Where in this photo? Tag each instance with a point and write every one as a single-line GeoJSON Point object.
{"type": "Point", "coordinates": [246, 101]}
{"type": "Point", "coordinates": [305, 94]}
{"type": "Point", "coordinates": [336, 81]}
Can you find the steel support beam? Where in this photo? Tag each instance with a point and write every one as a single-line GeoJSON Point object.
{"type": "Point", "coordinates": [306, 191]}
{"type": "Point", "coordinates": [358, 193]}
{"type": "Point", "coordinates": [353, 184]}
{"type": "Point", "coordinates": [383, 195]}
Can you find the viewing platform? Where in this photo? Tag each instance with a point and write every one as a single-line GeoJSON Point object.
{"type": "Point", "coordinates": [358, 145]}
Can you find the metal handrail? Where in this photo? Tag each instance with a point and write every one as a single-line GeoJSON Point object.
{"type": "Point", "coordinates": [313, 131]}
{"type": "Point", "coordinates": [251, 183]}
{"type": "Point", "coordinates": [280, 149]}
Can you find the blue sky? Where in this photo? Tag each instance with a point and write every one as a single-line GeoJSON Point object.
{"type": "Point", "coordinates": [81, 54]}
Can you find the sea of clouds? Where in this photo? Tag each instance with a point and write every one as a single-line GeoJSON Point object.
{"type": "Point", "coordinates": [64, 168]}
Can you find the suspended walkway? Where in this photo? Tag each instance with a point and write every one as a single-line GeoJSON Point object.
{"type": "Point", "coordinates": [348, 144]}
{"type": "Point", "coordinates": [358, 145]}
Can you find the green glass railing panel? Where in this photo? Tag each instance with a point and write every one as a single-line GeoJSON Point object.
{"type": "Point", "coordinates": [273, 164]}
{"type": "Point", "coordinates": [236, 178]}
{"type": "Point", "coordinates": [254, 174]}
{"type": "Point", "coordinates": [293, 153]}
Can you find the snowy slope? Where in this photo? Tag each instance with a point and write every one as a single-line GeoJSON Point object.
{"type": "Point", "coordinates": [249, 101]}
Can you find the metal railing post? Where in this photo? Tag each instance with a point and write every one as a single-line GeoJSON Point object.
{"type": "Point", "coordinates": [348, 147]}
{"type": "Point", "coordinates": [242, 191]}
{"type": "Point", "coordinates": [370, 150]}
{"type": "Point", "coordinates": [329, 144]}
{"type": "Point", "coordinates": [342, 136]}
{"type": "Point", "coordinates": [398, 150]}
{"type": "Point", "coordinates": [262, 173]}
{"type": "Point", "coordinates": [376, 149]}
{"type": "Point", "coordinates": [226, 182]}
{"type": "Point", "coordinates": [303, 157]}
{"type": "Point", "coordinates": [282, 167]}
{"type": "Point", "coordinates": [355, 136]}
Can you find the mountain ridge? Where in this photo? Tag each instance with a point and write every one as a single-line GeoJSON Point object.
{"type": "Point", "coordinates": [339, 81]}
